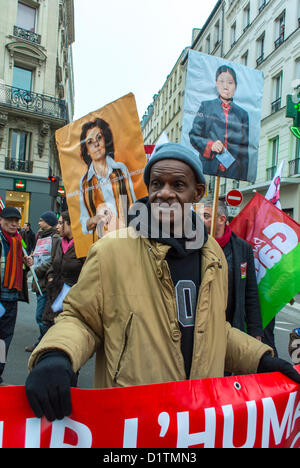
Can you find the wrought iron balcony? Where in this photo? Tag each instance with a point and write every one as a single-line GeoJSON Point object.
{"type": "Point", "coordinates": [260, 59]}
{"type": "Point", "coordinates": [262, 6]}
{"type": "Point", "coordinates": [12, 164]}
{"type": "Point", "coordinates": [28, 35]}
{"type": "Point", "coordinates": [32, 102]}
{"type": "Point", "coordinates": [279, 41]}
{"type": "Point", "coordinates": [276, 105]}
{"type": "Point", "coordinates": [294, 167]}
{"type": "Point", "coordinates": [271, 172]}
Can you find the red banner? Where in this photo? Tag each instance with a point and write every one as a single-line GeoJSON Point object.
{"type": "Point", "coordinates": [242, 411]}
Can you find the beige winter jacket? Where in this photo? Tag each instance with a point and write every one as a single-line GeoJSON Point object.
{"type": "Point", "coordinates": [124, 308]}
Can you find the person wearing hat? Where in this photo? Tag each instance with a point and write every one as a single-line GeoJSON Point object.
{"type": "Point", "coordinates": [43, 255]}
{"type": "Point", "coordinates": [151, 304]}
{"type": "Point", "coordinates": [13, 278]}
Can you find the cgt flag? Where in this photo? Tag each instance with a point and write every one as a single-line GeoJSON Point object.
{"type": "Point", "coordinates": [274, 237]}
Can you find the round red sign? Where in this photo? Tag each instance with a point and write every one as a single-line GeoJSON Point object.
{"type": "Point", "coordinates": [234, 198]}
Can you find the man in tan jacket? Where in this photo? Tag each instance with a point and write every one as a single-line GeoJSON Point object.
{"type": "Point", "coordinates": [150, 301]}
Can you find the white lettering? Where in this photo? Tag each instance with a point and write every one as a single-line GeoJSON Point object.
{"type": "Point", "coordinates": [84, 435]}
{"type": "Point", "coordinates": [269, 256]}
{"type": "Point", "coordinates": [185, 439]}
{"type": "Point", "coordinates": [164, 422]}
{"type": "Point", "coordinates": [260, 270]}
{"type": "Point", "coordinates": [296, 415]}
{"type": "Point", "coordinates": [286, 239]}
{"type": "Point", "coordinates": [130, 433]}
{"type": "Point", "coordinates": [1, 434]}
{"type": "Point", "coordinates": [271, 419]}
{"type": "Point", "coordinates": [229, 425]}
{"type": "Point", "coordinates": [33, 433]}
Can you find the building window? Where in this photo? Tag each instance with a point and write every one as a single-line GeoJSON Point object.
{"type": "Point", "coordinates": [208, 44]}
{"type": "Point", "coordinates": [260, 49]}
{"type": "Point", "coordinates": [274, 152]}
{"type": "Point", "coordinates": [279, 30]}
{"type": "Point", "coordinates": [22, 78]}
{"type": "Point", "coordinates": [19, 145]}
{"type": "Point", "coordinates": [26, 17]}
{"type": "Point", "coordinates": [217, 33]}
{"type": "Point", "coordinates": [247, 17]}
{"type": "Point", "coordinates": [233, 34]}
{"type": "Point", "coordinates": [297, 69]}
{"type": "Point", "coordinates": [277, 89]}
{"type": "Point", "coordinates": [274, 146]}
{"type": "Point", "coordinates": [245, 58]}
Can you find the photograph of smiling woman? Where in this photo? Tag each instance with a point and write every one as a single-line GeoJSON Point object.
{"type": "Point", "coordinates": [106, 184]}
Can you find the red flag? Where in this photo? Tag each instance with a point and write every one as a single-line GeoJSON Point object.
{"type": "Point", "coordinates": [275, 238]}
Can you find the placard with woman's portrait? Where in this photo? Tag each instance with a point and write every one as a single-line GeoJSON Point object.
{"type": "Point", "coordinates": [102, 159]}
{"type": "Point", "coordinates": [222, 113]}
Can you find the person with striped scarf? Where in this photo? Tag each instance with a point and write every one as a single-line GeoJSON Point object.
{"type": "Point", "coordinates": [12, 285]}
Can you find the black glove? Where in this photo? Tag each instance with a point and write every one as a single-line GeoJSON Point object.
{"type": "Point", "coordinates": [48, 386]}
{"type": "Point", "coordinates": [270, 364]}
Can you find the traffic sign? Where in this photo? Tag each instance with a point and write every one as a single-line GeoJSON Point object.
{"type": "Point", "coordinates": [234, 198]}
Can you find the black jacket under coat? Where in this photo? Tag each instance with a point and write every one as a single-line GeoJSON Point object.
{"type": "Point", "coordinates": [65, 269]}
{"type": "Point", "coordinates": [246, 314]}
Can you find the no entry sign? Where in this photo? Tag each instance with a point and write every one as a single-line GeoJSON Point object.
{"type": "Point", "coordinates": [234, 198]}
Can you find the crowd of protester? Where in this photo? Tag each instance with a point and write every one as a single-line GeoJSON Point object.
{"type": "Point", "coordinates": [51, 254]}
{"type": "Point", "coordinates": [119, 301]}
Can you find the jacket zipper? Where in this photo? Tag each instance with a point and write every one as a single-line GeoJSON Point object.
{"type": "Point", "coordinates": [124, 348]}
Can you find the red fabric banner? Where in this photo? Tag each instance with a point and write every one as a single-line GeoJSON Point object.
{"type": "Point", "coordinates": [241, 411]}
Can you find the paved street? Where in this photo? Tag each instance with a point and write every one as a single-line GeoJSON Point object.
{"type": "Point", "coordinates": [26, 333]}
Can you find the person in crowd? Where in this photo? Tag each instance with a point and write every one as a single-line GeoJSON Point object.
{"type": "Point", "coordinates": [29, 238]}
{"type": "Point", "coordinates": [150, 304]}
{"type": "Point", "coordinates": [65, 268]}
{"type": "Point", "coordinates": [13, 278]}
{"type": "Point", "coordinates": [220, 130]}
{"type": "Point", "coordinates": [43, 255]}
{"type": "Point", "coordinates": [106, 188]}
{"type": "Point", "coordinates": [294, 346]}
{"type": "Point", "coordinates": [243, 309]}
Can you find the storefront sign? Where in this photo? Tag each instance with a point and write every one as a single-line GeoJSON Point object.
{"type": "Point", "coordinates": [20, 185]}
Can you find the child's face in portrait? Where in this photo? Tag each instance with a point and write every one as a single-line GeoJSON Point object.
{"type": "Point", "coordinates": [226, 86]}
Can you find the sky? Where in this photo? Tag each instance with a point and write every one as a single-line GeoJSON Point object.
{"type": "Point", "coordinates": [124, 46]}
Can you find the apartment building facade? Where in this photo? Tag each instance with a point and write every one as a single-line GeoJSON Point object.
{"type": "Point", "coordinates": [36, 98]}
{"type": "Point", "coordinates": [265, 35]}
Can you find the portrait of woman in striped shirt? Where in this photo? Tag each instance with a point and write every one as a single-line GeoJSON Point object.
{"type": "Point", "coordinates": [106, 189]}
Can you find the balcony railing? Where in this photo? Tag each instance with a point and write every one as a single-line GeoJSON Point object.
{"type": "Point", "coordinates": [294, 167]}
{"type": "Point", "coordinates": [279, 41]}
{"type": "Point", "coordinates": [271, 172]}
{"type": "Point", "coordinates": [28, 35]}
{"type": "Point", "coordinates": [276, 105]}
{"type": "Point", "coordinates": [32, 102]}
{"type": "Point", "coordinates": [17, 165]}
{"type": "Point", "coordinates": [262, 6]}
{"type": "Point", "coordinates": [259, 59]}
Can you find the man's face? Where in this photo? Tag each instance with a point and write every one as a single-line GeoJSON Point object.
{"type": "Point", "coordinates": [220, 221]}
{"type": "Point", "coordinates": [172, 190]}
{"type": "Point", "coordinates": [43, 225]}
{"type": "Point", "coordinates": [9, 225]}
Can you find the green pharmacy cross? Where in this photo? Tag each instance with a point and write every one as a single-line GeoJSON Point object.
{"type": "Point", "coordinates": [293, 111]}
